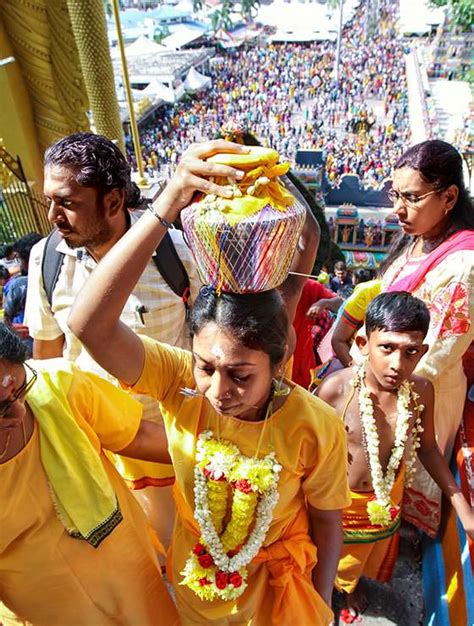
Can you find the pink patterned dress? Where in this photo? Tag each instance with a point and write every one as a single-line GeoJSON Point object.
{"type": "Point", "coordinates": [447, 290]}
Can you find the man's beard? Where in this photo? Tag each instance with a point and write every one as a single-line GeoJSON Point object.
{"type": "Point", "coordinates": [95, 238]}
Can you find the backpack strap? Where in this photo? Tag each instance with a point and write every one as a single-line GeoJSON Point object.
{"type": "Point", "coordinates": [166, 260]}
{"type": "Point", "coordinates": [51, 264]}
{"type": "Point", "coordinates": [172, 269]}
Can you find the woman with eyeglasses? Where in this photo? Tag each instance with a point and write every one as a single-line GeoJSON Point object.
{"type": "Point", "coordinates": [434, 260]}
{"type": "Point", "coordinates": [74, 543]}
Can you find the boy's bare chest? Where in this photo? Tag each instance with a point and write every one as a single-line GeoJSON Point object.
{"type": "Point", "coordinates": [385, 419]}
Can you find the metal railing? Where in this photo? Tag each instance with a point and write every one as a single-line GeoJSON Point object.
{"type": "Point", "coordinates": [22, 209]}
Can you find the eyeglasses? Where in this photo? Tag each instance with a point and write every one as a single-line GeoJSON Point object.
{"type": "Point", "coordinates": [409, 199]}
{"type": "Point", "coordinates": [20, 392]}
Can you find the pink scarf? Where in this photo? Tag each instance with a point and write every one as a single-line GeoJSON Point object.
{"type": "Point", "coordinates": [461, 240]}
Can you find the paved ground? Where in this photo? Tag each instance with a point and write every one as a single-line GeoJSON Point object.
{"type": "Point", "coordinates": [398, 602]}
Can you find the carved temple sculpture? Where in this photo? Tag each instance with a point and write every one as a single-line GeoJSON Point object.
{"type": "Point", "coordinates": [61, 69]}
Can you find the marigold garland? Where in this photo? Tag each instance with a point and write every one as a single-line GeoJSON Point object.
{"type": "Point", "coordinates": [381, 510]}
{"type": "Point", "coordinates": [216, 568]}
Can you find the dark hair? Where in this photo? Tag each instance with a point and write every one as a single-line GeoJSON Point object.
{"type": "Point", "coordinates": [96, 162]}
{"type": "Point", "coordinates": [12, 348]}
{"type": "Point", "coordinates": [440, 165]}
{"type": "Point", "coordinates": [258, 320]}
{"type": "Point", "coordinates": [340, 265]}
{"type": "Point", "coordinates": [4, 273]}
{"type": "Point", "coordinates": [362, 275]}
{"type": "Point", "coordinates": [397, 311]}
{"type": "Point", "coordinates": [345, 291]}
{"type": "Point", "coordinates": [23, 245]}
{"type": "Point", "coordinates": [6, 250]}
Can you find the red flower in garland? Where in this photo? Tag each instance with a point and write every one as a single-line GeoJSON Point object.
{"type": "Point", "coordinates": [199, 549]}
{"type": "Point", "coordinates": [235, 579]}
{"type": "Point", "coordinates": [394, 512]}
{"type": "Point", "coordinates": [243, 485]}
{"type": "Point", "coordinates": [221, 580]}
{"type": "Point", "coordinates": [212, 475]}
{"type": "Point", "coordinates": [347, 617]}
{"type": "Point", "coordinates": [205, 560]}
{"type": "Point", "coordinates": [204, 581]}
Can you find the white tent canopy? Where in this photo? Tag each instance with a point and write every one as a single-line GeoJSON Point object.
{"type": "Point", "coordinates": [316, 35]}
{"type": "Point", "coordinates": [181, 35]}
{"type": "Point", "coordinates": [298, 17]}
{"type": "Point", "coordinates": [158, 90]}
{"type": "Point", "coordinates": [196, 82]}
{"type": "Point", "coordinates": [140, 47]}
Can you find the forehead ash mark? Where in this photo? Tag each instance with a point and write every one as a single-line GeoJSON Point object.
{"type": "Point", "coordinates": [217, 351]}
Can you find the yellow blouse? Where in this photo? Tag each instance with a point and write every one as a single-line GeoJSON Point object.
{"type": "Point", "coordinates": [309, 442]}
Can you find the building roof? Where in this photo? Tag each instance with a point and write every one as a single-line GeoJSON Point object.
{"type": "Point", "coordinates": [164, 65]}
{"type": "Point", "coordinates": [183, 34]}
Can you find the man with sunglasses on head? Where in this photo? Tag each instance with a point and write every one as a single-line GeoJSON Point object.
{"type": "Point", "coordinates": [74, 543]}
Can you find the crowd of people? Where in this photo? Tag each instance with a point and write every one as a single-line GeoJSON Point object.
{"type": "Point", "coordinates": [265, 496]}
{"type": "Point", "coordinates": [291, 100]}
{"type": "Point", "coordinates": [268, 488]}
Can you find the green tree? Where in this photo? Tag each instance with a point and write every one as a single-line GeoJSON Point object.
{"type": "Point", "coordinates": [461, 11]}
{"type": "Point", "coordinates": [221, 18]}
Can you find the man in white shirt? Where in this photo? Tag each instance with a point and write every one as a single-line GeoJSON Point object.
{"type": "Point", "coordinates": [87, 182]}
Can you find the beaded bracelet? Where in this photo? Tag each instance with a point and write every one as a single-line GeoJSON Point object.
{"type": "Point", "coordinates": [162, 220]}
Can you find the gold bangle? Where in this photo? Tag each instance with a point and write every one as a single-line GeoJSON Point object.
{"type": "Point", "coordinates": [162, 220]}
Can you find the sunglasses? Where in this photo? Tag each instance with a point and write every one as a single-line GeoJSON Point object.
{"type": "Point", "coordinates": [20, 392]}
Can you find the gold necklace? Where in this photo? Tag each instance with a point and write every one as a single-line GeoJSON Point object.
{"type": "Point", "coordinates": [5, 449]}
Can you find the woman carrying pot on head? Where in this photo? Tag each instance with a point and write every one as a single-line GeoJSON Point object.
{"type": "Point", "coordinates": [434, 260]}
{"type": "Point", "coordinates": [260, 464]}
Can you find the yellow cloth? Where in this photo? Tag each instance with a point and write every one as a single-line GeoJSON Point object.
{"type": "Point", "coordinates": [356, 305]}
{"type": "Point", "coordinates": [71, 462]}
{"type": "Point", "coordinates": [309, 442]}
{"type": "Point", "coordinates": [51, 579]}
{"type": "Point", "coordinates": [368, 550]}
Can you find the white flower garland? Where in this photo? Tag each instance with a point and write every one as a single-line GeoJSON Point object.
{"type": "Point", "coordinates": [381, 511]}
{"type": "Point", "coordinates": [222, 461]}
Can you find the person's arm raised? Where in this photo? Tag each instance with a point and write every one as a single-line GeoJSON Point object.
{"type": "Point", "coordinates": [95, 315]}
{"type": "Point", "coordinates": [437, 466]}
{"type": "Point", "coordinates": [302, 264]}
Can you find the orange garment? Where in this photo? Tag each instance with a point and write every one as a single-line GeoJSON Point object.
{"type": "Point", "coordinates": [309, 442]}
{"type": "Point", "coordinates": [49, 578]}
{"type": "Point", "coordinates": [368, 550]}
{"type": "Point", "coordinates": [289, 562]}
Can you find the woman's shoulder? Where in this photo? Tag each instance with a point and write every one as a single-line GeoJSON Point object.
{"type": "Point", "coordinates": [458, 265]}
{"type": "Point", "coordinates": [310, 413]}
{"type": "Point", "coordinates": [158, 349]}
{"type": "Point", "coordinates": [165, 368]}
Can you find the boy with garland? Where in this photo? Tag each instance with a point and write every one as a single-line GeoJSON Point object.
{"type": "Point", "coordinates": [388, 415]}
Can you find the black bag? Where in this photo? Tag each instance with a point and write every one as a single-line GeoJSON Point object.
{"type": "Point", "coordinates": [166, 259]}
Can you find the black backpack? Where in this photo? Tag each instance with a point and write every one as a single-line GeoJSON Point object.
{"type": "Point", "coordinates": [166, 259]}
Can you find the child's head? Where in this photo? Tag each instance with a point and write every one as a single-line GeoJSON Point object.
{"type": "Point", "coordinates": [23, 248]}
{"type": "Point", "coordinates": [361, 275]}
{"type": "Point", "coordinates": [4, 275]}
{"type": "Point", "coordinates": [7, 252]}
{"type": "Point", "coordinates": [397, 311]}
{"type": "Point", "coordinates": [396, 324]}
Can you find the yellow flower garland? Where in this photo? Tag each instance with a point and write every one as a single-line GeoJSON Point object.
{"type": "Point", "coordinates": [217, 565]}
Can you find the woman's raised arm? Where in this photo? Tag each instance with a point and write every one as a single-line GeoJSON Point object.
{"type": "Point", "coordinates": [95, 315]}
